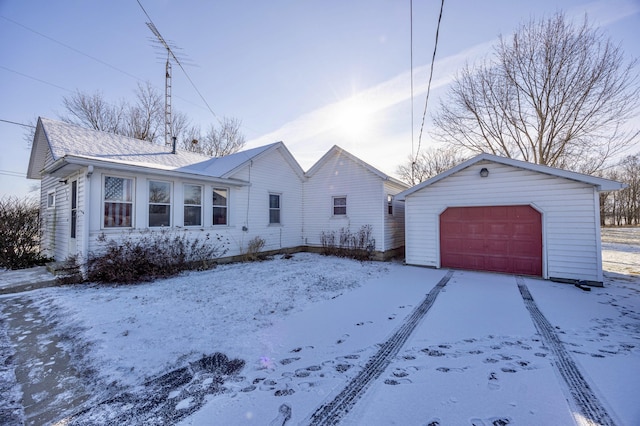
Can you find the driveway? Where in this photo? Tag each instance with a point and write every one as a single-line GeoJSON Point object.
{"type": "Point", "coordinates": [318, 340]}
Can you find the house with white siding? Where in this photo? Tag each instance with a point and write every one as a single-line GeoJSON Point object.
{"type": "Point", "coordinates": [498, 214]}
{"type": "Point", "coordinates": [97, 185]}
{"type": "Point", "coordinates": [344, 192]}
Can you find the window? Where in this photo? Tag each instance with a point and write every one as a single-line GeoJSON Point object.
{"type": "Point", "coordinates": [159, 203]}
{"type": "Point", "coordinates": [118, 202]}
{"type": "Point", "coordinates": [339, 206]}
{"type": "Point", "coordinates": [274, 208]}
{"type": "Point", "coordinates": [220, 206]}
{"type": "Point", "coordinates": [51, 199]}
{"type": "Point", "coordinates": [390, 204]}
{"type": "Point", "coordinates": [192, 205]}
{"type": "Point", "coordinates": [74, 207]}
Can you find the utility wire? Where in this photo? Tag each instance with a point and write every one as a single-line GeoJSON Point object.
{"type": "Point", "coordinates": [71, 48]}
{"type": "Point", "coordinates": [433, 59]}
{"type": "Point", "coordinates": [12, 173]}
{"type": "Point", "coordinates": [17, 124]}
{"type": "Point", "coordinates": [36, 79]}
{"type": "Point", "coordinates": [182, 68]}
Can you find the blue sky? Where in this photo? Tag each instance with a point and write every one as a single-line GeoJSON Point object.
{"type": "Point", "coordinates": [310, 73]}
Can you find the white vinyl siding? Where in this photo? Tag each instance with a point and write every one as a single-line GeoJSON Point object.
{"type": "Point", "coordinates": [569, 219]}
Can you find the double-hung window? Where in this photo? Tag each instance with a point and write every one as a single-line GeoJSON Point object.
{"type": "Point", "coordinates": [192, 205]}
{"type": "Point", "coordinates": [118, 202]}
{"type": "Point", "coordinates": [159, 203]}
{"type": "Point", "coordinates": [220, 206]}
{"type": "Point", "coordinates": [339, 206]}
{"type": "Point", "coordinates": [274, 208]}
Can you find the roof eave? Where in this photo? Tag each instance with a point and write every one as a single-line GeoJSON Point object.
{"type": "Point", "coordinates": [61, 168]}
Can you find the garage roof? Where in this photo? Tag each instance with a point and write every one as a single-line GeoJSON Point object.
{"type": "Point", "coordinates": [600, 183]}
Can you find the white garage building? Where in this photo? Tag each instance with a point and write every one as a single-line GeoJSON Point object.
{"type": "Point", "coordinates": [498, 214]}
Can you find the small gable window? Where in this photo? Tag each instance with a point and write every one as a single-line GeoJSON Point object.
{"type": "Point", "coordinates": [339, 206]}
{"type": "Point", "coordinates": [220, 206]}
{"type": "Point", "coordinates": [159, 203]}
{"type": "Point", "coordinates": [274, 208]}
{"type": "Point", "coordinates": [118, 202]}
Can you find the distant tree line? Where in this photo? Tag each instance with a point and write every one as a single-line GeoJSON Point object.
{"type": "Point", "coordinates": [622, 207]}
{"type": "Point", "coordinates": [144, 119]}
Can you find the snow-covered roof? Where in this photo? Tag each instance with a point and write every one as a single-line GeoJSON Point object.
{"type": "Point", "coordinates": [600, 183]}
{"type": "Point", "coordinates": [336, 150]}
{"type": "Point", "coordinates": [69, 143]}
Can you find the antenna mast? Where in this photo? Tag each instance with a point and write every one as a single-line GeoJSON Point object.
{"type": "Point", "coordinates": [167, 83]}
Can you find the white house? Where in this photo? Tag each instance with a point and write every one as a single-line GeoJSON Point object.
{"type": "Point", "coordinates": [343, 191]}
{"type": "Point", "coordinates": [497, 214]}
{"type": "Point", "coordinates": [99, 183]}
{"type": "Point", "coordinates": [95, 183]}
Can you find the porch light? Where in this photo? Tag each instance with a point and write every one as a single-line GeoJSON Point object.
{"type": "Point", "coordinates": [484, 172]}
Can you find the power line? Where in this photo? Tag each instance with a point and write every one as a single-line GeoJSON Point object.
{"type": "Point", "coordinates": [17, 124]}
{"type": "Point", "coordinates": [433, 59]}
{"type": "Point", "coordinates": [70, 48]}
{"type": "Point", "coordinates": [12, 173]}
{"type": "Point", "coordinates": [36, 79]}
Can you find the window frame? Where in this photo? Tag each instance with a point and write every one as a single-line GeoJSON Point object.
{"type": "Point", "coordinates": [130, 203]}
{"type": "Point", "coordinates": [185, 204]}
{"type": "Point", "coordinates": [334, 206]}
{"type": "Point", "coordinates": [220, 206]}
{"type": "Point", "coordinates": [275, 209]}
{"type": "Point", "coordinates": [51, 199]}
{"type": "Point", "coordinates": [389, 204]}
{"type": "Point", "coordinates": [169, 204]}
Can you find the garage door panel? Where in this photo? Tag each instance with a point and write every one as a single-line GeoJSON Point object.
{"type": "Point", "coordinates": [492, 238]}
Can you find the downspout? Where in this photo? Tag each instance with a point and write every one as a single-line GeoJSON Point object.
{"type": "Point", "coordinates": [598, 236]}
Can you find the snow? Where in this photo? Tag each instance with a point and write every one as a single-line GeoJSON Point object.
{"type": "Point", "coordinates": [306, 326]}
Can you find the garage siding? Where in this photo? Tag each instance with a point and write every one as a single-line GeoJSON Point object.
{"type": "Point", "coordinates": [569, 220]}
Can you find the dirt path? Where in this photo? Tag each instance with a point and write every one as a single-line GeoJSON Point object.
{"type": "Point", "coordinates": [333, 411]}
{"type": "Point", "coordinates": [581, 393]}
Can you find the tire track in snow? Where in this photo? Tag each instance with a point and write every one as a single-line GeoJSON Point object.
{"type": "Point", "coordinates": [584, 397]}
{"type": "Point", "coordinates": [333, 411]}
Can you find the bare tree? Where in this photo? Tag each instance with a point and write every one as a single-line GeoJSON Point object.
{"type": "Point", "coordinates": [144, 120]}
{"type": "Point", "coordinates": [428, 164]}
{"type": "Point", "coordinates": [554, 93]}
{"type": "Point", "coordinates": [221, 140]}
{"type": "Point", "coordinates": [94, 112]}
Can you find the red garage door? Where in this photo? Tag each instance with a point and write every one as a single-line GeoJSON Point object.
{"type": "Point", "coordinates": [492, 238]}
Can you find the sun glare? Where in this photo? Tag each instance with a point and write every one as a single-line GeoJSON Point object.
{"type": "Point", "coordinates": [353, 119]}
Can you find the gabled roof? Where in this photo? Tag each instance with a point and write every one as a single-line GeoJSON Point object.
{"type": "Point", "coordinates": [600, 183]}
{"type": "Point", "coordinates": [72, 146]}
{"type": "Point", "coordinates": [226, 166]}
{"type": "Point", "coordinates": [336, 150]}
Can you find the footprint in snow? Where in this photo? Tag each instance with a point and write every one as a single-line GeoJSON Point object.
{"type": "Point", "coordinates": [342, 339]}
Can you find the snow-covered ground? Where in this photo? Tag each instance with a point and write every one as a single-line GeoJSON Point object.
{"type": "Point", "coordinates": [296, 332]}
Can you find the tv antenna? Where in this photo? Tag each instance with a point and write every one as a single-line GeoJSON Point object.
{"type": "Point", "coordinates": [167, 82]}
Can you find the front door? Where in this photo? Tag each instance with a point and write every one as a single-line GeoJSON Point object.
{"type": "Point", "coordinates": [73, 221]}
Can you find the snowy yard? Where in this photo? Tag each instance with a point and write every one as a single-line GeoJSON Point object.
{"type": "Point", "coordinates": [278, 342]}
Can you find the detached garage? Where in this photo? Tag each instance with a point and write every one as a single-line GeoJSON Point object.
{"type": "Point", "coordinates": [497, 214]}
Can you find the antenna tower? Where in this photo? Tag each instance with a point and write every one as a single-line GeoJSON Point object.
{"type": "Point", "coordinates": [167, 82]}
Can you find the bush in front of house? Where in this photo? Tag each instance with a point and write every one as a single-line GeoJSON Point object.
{"type": "Point", "coordinates": [356, 245]}
{"type": "Point", "coordinates": [20, 233]}
{"type": "Point", "coordinates": [253, 249]}
{"type": "Point", "coordinates": [146, 255]}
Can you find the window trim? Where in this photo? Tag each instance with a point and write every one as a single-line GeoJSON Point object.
{"type": "Point", "coordinates": [226, 206]}
{"type": "Point", "coordinates": [132, 202]}
{"type": "Point", "coordinates": [333, 206]}
{"type": "Point", "coordinates": [170, 203]}
{"type": "Point", "coordinates": [51, 199]}
{"type": "Point", "coordinates": [185, 205]}
{"type": "Point", "coordinates": [278, 209]}
{"type": "Point", "coordinates": [390, 205]}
